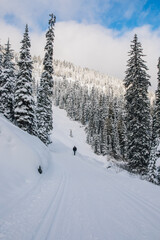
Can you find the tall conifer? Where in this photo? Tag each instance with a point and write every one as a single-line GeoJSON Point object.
{"type": "Point", "coordinates": [24, 101]}
{"type": "Point", "coordinates": [156, 125]}
{"type": "Point", "coordinates": [152, 171]}
{"type": "Point", "coordinates": [45, 91]}
{"type": "Point", "coordinates": [1, 59]}
{"type": "Point", "coordinates": [7, 83]}
{"type": "Point", "coordinates": [137, 110]}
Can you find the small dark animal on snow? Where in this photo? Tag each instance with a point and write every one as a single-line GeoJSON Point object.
{"type": "Point", "coordinates": [40, 169]}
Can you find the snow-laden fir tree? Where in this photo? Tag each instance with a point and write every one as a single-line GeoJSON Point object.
{"type": "Point", "coordinates": [137, 110]}
{"type": "Point", "coordinates": [92, 118]}
{"type": "Point", "coordinates": [152, 171]}
{"type": "Point", "coordinates": [45, 91]}
{"type": "Point", "coordinates": [156, 123]}
{"type": "Point", "coordinates": [24, 102]}
{"type": "Point", "coordinates": [7, 83]}
{"type": "Point", "coordinates": [70, 104]}
{"type": "Point", "coordinates": [84, 106]}
{"type": "Point", "coordinates": [116, 144]}
{"type": "Point", "coordinates": [122, 132]}
{"type": "Point", "coordinates": [109, 128]}
{"type": "Point", "coordinates": [1, 59]}
{"type": "Point", "coordinates": [1, 79]}
{"type": "Point", "coordinates": [102, 112]}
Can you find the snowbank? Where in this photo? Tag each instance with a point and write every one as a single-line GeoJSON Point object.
{"type": "Point", "coordinates": [20, 156]}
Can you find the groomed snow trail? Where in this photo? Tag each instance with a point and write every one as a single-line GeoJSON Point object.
{"type": "Point", "coordinates": [79, 199]}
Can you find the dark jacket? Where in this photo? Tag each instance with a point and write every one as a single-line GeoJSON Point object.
{"type": "Point", "coordinates": [74, 149]}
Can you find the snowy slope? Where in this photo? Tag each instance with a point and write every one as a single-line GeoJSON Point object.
{"type": "Point", "coordinates": [77, 197]}
{"type": "Point", "coordinates": [20, 156]}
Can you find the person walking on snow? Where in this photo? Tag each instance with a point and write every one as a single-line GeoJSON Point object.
{"type": "Point", "coordinates": [74, 150]}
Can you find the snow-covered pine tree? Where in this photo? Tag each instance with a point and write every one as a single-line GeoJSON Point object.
{"type": "Point", "coordinates": [84, 106]}
{"type": "Point", "coordinates": [102, 111]}
{"type": "Point", "coordinates": [78, 100]}
{"type": "Point", "coordinates": [70, 101]}
{"type": "Point", "coordinates": [122, 132]}
{"type": "Point", "coordinates": [1, 79]}
{"type": "Point", "coordinates": [1, 59]}
{"type": "Point", "coordinates": [45, 91]}
{"type": "Point", "coordinates": [24, 106]}
{"type": "Point", "coordinates": [137, 110]}
{"type": "Point", "coordinates": [62, 94]}
{"type": "Point", "coordinates": [109, 126]}
{"type": "Point", "coordinates": [156, 130]}
{"type": "Point", "coordinates": [92, 118]}
{"type": "Point", "coordinates": [116, 144]}
{"type": "Point", "coordinates": [152, 171]}
{"type": "Point", "coordinates": [7, 83]}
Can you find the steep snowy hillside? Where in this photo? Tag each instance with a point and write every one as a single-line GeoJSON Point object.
{"type": "Point", "coordinates": [77, 197]}
{"type": "Point", "coordinates": [85, 76]}
{"type": "Point", "coordinates": [20, 157]}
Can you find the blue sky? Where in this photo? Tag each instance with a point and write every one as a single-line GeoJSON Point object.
{"type": "Point", "coordinates": [115, 14]}
{"type": "Point", "coordinates": [91, 33]}
{"type": "Point", "coordinates": [130, 14]}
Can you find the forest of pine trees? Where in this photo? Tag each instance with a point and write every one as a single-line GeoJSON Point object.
{"type": "Point", "coordinates": [124, 126]}
{"type": "Point", "coordinates": [17, 101]}
{"type": "Point", "coordinates": [119, 123]}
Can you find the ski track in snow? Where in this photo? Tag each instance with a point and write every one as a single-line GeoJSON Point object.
{"type": "Point", "coordinates": [78, 199]}
{"type": "Point", "coordinates": [24, 220]}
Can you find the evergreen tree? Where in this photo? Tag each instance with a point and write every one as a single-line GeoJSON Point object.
{"type": "Point", "coordinates": [84, 107]}
{"type": "Point", "coordinates": [93, 118]}
{"type": "Point", "coordinates": [1, 60]}
{"type": "Point", "coordinates": [156, 117]}
{"type": "Point", "coordinates": [158, 175]}
{"type": "Point", "coordinates": [109, 125]}
{"type": "Point", "coordinates": [1, 79]}
{"type": "Point", "coordinates": [155, 133]}
{"type": "Point", "coordinates": [7, 83]}
{"type": "Point", "coordinates": [137, 110]}
{"type": "Point", "coordinates": [153, 120]}
{"type": "Point", "coordinates": [70, 102]}
{"type": "Point", "coordinates": [122, 132]}
{"type": "Point", "coordinates": [116, 144]}
{"type": "Point", "coordinates": [45, 91]}
{"type": "Point", "coordinates": [24, 101]}
{"type": "Point", "coordinates": [102, 111]}
{"type": "Point", "coordinates": [152, 171]}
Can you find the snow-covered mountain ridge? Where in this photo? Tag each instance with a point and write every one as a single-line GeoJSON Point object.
{"type": "Point", "coordinates": [85, 76]}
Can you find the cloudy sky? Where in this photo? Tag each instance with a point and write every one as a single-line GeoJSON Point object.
{"type": "Point", "coordinates": [91, 33]}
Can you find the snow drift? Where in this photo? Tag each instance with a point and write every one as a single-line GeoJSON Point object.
{"type": "Point", "coordinates": [20, 156]}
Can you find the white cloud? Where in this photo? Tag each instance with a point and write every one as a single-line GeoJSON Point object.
{"type": "Point", "coordinates": [10, 32]}
{"type": "Point", "coordinates": [92, 46]}
{"type": "Point", "coordinates": [103, 49]}
{"type": "Point", "coordinates": [15, 35]}
{"type": "Point", "coordinates": [34, 12]}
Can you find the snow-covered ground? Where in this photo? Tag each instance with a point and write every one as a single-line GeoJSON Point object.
{"type": "Point", "coordinates": [76, 197]}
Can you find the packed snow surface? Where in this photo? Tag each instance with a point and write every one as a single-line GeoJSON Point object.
{"type": "Point", "coordinates": [76, 197]}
